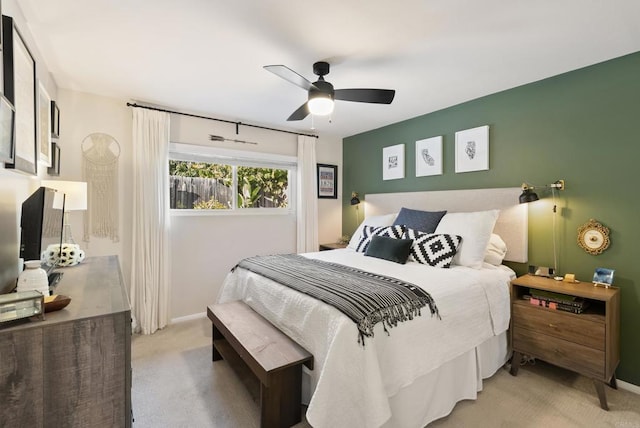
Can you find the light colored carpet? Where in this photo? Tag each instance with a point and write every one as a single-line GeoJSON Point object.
{"type": "Point", "coordinates": [175, 384]}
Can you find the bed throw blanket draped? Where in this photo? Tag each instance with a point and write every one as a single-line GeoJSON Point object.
{"type": "Point", "coordinates": [365, 297]}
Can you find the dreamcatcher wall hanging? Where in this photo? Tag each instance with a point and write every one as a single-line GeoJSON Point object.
{"type": "Point", "coordinates": [100, 153]}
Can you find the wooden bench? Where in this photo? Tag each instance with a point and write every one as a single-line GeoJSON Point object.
{"type": "Point", "coordinates": [274, 359]}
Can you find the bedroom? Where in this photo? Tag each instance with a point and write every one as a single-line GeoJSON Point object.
{"type": "Point", "coordinates": [575, 126]}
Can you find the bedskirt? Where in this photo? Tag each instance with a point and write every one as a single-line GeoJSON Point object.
{"type": "Point", "coordinates": [435, 394]}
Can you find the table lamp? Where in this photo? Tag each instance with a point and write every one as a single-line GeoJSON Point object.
{"type": "Point", "coordinates": [75, 200]}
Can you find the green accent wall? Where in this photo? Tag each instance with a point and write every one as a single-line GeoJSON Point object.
{"type": "Point", "coordinates": [583, 127]}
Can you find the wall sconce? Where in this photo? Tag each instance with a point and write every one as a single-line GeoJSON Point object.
{"type": "Point", "coordinates": [355, 200]}
{"type": "Point", "coordinates": [528, 195]}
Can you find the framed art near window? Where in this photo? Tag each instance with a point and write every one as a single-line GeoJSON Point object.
{"type": "Point", "coordinates": [44, 126]}
{"type": "Point", "coordinates": [7, 130]}
{"type": "Point", "coordinates": [55, 120]}
{"type": "Point", "coordinates": [20, 89]}
{"type": "Point", "coordinates": [472, 149]}
{"type": "Point", "coordinates": [54, 169]}
{"type": "Point", "coordinates": [327, 181]}
{"type": "Point", "coordinates": [393, 162]}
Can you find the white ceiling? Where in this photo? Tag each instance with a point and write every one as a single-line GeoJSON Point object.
{"type": "Point", "coordinates": [206, 56]}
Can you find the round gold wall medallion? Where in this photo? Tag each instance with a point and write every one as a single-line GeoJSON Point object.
{"type": "Point", "coordinates": [593, 237]}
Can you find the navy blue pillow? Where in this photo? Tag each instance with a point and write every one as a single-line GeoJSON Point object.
{"type": "Point", "coordinates": [394, 250]}
{"type": "Point", "coordinates": [423, 221]}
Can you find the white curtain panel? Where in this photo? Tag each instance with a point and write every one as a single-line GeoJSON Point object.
{"type": "Point", "coordinates": [307, 210]}
{"type": "Point", "coordinates": [150, 254]}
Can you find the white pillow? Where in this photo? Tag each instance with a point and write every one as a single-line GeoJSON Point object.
{"type": "Point", "coordinates": [496, 250]}
{"type": "Point", "coordinates": [475, 229]}
{"type": "Point", "coordinates": [377, 221]}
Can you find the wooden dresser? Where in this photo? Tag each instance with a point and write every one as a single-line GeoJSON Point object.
{"type": "Point", "coordinates": [587, 343]}
{"type": "Point", "coordinates": [74, 368]}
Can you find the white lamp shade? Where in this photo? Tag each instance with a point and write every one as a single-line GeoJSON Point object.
{"type": "Point", "coordinates": [75, 193]}
{"type": "Point", "coordinates": [320, 105]}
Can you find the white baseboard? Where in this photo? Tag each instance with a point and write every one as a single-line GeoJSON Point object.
{"type": "Point", "coordinates": [188, 318]}
{"type": "Point", "coordinates": [628, 386]}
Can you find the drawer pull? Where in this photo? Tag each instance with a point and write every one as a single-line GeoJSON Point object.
{"type": "Point", "coordinates": [552, 325]}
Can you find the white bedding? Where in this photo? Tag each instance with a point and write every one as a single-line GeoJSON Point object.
{"type": "Point", "coordinates": [351, 385]}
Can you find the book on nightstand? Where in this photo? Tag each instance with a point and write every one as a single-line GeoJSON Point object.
{"type": "Point", "coordinates": [557, 301]}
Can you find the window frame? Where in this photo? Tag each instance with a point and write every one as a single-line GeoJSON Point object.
{"type": "Point", "coordinates": [235, 158]}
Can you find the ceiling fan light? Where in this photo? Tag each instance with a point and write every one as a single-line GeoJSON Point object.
{"type": "Point", "coordinates": [320, 105]}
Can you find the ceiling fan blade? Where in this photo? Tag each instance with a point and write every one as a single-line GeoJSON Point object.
{"type": "Point", "coordinates": [378, 96]}
{"type": "Point", "coordinates": [289, 75]}
{"type": "Point", "coordinates": [300, 113]}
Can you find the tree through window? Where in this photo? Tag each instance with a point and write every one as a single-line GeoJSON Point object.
{"type": "Point", "coordinates": [199, 185]}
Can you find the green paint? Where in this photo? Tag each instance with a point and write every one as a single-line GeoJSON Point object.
{"type": "Point", "coordinates": [583, 127]}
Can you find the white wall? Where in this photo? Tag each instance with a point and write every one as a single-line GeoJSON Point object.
{"type": "Point", "coordinates": [15, 187]}
{"type": "Point", "coordinates": [206, 247]}
{"type": "Point", "coordinates": [203, 248]}
{"type": "Point", "coordinates": [82, 114]}
{"type": "Point", "coordinates": [329, 151]}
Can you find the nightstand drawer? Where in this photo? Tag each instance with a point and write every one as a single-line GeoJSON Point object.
{"type": "Point", "coordinates": [573, 356]}
{"type": "Point", "coordinates": [562, 325]}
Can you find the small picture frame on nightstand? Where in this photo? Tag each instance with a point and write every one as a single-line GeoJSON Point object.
{"type": "Point", "coordinates": [603, 277]}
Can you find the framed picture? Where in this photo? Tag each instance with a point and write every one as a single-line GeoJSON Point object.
{"type": "Point", "coordinates": [472, 149]}
{"type": "Point", "coordinates": [7, 130]}
{"type": "Point", "coordinates": [429, 157]}
{"type": "Point", "coordinates": [603, 276]}
{"type": "Point", "coordinates": [327, 181]}
{"type": "Point", "coordinates": [20, 89]}
{"type": "Point", "coordinates": [55, 120]}
{"type": "Point", "coordinates": [0, 25]}
{"type": "Point", "coordinates": [393, 162]}
{"type": "Point", "coordinates": [54, 169]}
{"type": "Point", "coordinates": [44, 126]}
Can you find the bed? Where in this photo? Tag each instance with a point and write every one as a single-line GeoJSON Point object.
{"type": "Point", "coordinates": [421, 368]}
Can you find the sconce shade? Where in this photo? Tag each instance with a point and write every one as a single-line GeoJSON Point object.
{"type": "Point", "coordinates": [527, 196]}
{"type": "Point", "coordinates": [354, 199]}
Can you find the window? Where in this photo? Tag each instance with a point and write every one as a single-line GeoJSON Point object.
{"type": "Point", "coordinates": [204, 179]}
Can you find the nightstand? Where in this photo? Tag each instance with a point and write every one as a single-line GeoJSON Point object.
{"type": "Point", "coordinates": [332, 246]}
{"type": "Point", "coordinates": [587, 343]}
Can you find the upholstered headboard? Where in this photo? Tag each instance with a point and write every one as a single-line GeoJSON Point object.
{"type": "Point", "coordinates": [512, 224]}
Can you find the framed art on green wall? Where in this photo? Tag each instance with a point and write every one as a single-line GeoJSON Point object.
{"type": "Point", "coordinates": [429, 156]}
{"type": "Point", "coordinates": [393, 162]}
{"type": "Point", "coordinates": [472, 149]}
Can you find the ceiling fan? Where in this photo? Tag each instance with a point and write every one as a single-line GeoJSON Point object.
{"type": "Point", "coordinates": [322, 94]}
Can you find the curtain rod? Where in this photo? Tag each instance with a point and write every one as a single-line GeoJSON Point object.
{"type": "Point", "coordinates": [219, 120]}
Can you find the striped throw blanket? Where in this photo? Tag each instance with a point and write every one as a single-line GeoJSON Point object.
{"type": "Point", "coordinates": [365, 297]}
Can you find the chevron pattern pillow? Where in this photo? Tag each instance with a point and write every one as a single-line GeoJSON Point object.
{"type": "Point", "coordinates": [432, 249]}
{"type": "Point", "coordinates": [369, 232]}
